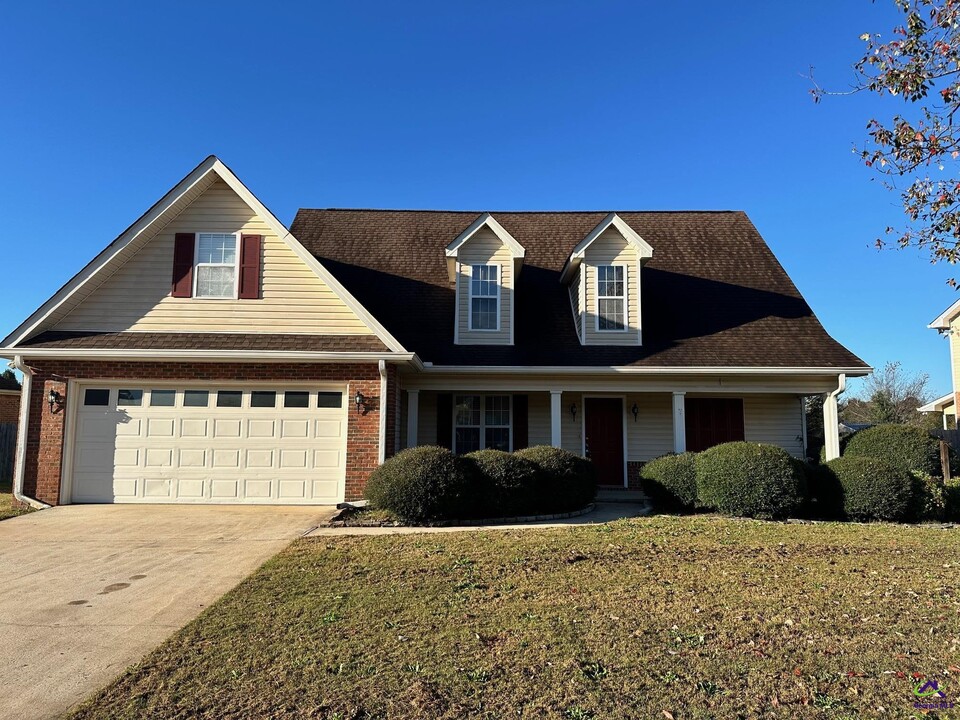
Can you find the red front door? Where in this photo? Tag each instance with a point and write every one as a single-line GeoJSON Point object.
{"type": "Point", "coordinates": [603, 428]}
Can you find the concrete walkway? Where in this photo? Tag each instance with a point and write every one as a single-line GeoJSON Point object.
{"type": "Point", "coordinates": [603, 512]}
{"type": "Point", "coordinates": [87, 590]}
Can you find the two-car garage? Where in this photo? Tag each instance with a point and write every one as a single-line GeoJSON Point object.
{"type": "Point", "coordinates": [166, 443]}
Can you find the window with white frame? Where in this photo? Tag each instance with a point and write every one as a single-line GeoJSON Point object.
{"type": "Point", "coordinates": [481, 422]}
{"type": "Point", "coordinates": [215, 273]}
{"type": "Point", "coordinates": [485, 297]}
{"type": "Point", "coordinates": [611, 298]}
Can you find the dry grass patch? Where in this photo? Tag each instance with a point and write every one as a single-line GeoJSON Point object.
{"type": "Point", "coordinates": [697, 617]}
{"type": "Point", "coordinates": [6, 502]}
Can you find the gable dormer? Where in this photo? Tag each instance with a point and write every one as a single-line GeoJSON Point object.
{"type": "Point", "coordinates": [483, 263]}
{"type": "Point", "coordinates": [602, 276]}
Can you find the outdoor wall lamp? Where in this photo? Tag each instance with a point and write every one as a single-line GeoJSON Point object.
{"type": "Point", "coordinates": [54, 399]}
{"type": "Point", "coordinates": [636, 411]}
{"type": "Point", "coordinates": [573, 410]}
{"type": "Point", "coordinates": [360, 400]}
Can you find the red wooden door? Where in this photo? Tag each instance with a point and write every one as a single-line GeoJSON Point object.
{"type": "Point", "coordinates": [603, 428]}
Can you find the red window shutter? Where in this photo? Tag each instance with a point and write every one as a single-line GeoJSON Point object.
{"type": "Point", "coordinates": [250, 251]}
{"type": "Point", "coordinates": [183, 265]}
{"type": "Point", "coordinates": [521, 422]}
{"type": "Point", "coordinates": [445, 420]}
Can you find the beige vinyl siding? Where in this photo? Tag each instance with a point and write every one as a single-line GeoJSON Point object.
{"type": "Point", "coordinates": [651, 434]}
{"type": "Point", "coordinates": [137, 295]}
{"type": "Point", "coordinates": [955, 353]}
{"type": "Point", "coordinates": [538, 418]}
{"type": "Point", "coordinates": [775, 420]}
{"type": "Point", "coordinates": [574, 291]}
{"type": "Point", "coordinates": [611, 249]}
{"type": "Point", "coordinates": [484, 248]}
{"type": "Point", "coordinates": [538, 421]}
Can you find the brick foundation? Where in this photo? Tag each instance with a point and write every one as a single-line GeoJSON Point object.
{"type": "Point", "coordinates": [633, 474]}
{"type": "Point", "coordinates": [44, 456]}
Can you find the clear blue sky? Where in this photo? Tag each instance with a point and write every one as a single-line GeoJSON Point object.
{"type": "Point", "coordinates": [493, 105]}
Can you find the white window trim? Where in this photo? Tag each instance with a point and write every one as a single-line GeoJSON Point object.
{"type": "Point", "coordinates": [483, 426]}
{"type": "Point", "coordinates": [236, 266]}
{"type": "Point", "coordinates": [470, 297]}
{"type": "Point", "coordinates": [624, 298]}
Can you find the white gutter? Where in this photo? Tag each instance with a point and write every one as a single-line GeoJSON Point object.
{"type": "Point", "coordinates": [383, 412]}
{"type": "Point", "coordinates": [209, 355]}
{"type": "Point", "coordinates": [621, 370]}
{"type": "Point", "coordinates": [20, 459]}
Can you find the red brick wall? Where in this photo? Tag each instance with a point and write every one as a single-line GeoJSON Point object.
{"type": "Point", "coordinates": [9, 408]}
{"type": "Point", "coordinates": [46, 432]}
{"type": "Point", "coordinates": [633, 474]}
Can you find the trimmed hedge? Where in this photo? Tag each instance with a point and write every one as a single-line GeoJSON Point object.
{"type": "Point", "coordinates": [824, 492]}
{"type": "Point", "coordinates": [929, 499]}
{"type": "Point", "coordinates": [671, 482]}
{"type": "Point", "coordinates": [951, 491]}
{"type": "Point", "coordinates": [873, 489]}
{"type": "Point", "coordinates": [511, 484]}
{"type": "Point", "coordinates": [749, 479]}
{"type": "Point", "coordinates": [567, 482]}
{"type": "Point", "coordinates": [911, 449]}
{"type": "Point", "coordinates": [423, 484]}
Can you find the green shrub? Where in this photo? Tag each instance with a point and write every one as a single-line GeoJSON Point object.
{"type": "Point", "coordinates": [873, 489]}
{"type": "Point", "coordinates": [671, 482]}
{"type": "Point", "coordinates": [511, 484]}
{"type": "Point", "coordinates": [951, 491]}
{"type": "Point", "coordinates": [749, 479]}
{"type": "Point", "coordinates": [929, 498]}
{"type": "Point", "coordinates": [824, 499]}
{"type": "Point", "coordinates": [567, 482]}
{"type": "Point", "coordinates": [911, 449]}
{"type": "Point", "coordinates": [425, 483]}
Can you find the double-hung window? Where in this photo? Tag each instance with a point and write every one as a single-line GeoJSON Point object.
{"type": "Point", "coordinates": [611, 298]}
{"type": "Point", "coordinates": [481, 422]}
{"type": "Point", "coordinates": [484, 297]}
{"type": "Point", "coordinates": [216, 266]}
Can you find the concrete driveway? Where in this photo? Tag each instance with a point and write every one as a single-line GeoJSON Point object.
{"type": "Point", "coordinates": [87, 590]}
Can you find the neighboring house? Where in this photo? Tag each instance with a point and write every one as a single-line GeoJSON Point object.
{"type": "Point", "coordinates": [948, 323]}
{"type": "Point", "coordinates": [209, 355]}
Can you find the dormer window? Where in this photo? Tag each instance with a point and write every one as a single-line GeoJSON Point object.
{"type": "Point", "coordinates": [611, 299]}
{"type": "Point", "coordinates": [216, 266]}
{"type": "Point", "coordinates": [485, 298]}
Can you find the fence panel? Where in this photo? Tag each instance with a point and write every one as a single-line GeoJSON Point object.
{"type": "Point", "coordinates": [8, 446]}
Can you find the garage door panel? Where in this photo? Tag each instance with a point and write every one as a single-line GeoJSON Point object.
{"type": "Point", "coordinates": [227, 427]}
{"type": "Point", "coordinates": [179, 452]}
{"type": "Point", "coordinates": [193, 428]}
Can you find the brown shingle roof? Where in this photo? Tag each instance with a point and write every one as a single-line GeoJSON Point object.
{"type": "Point", "coordinates": [713, 294]}
{"type": "Point", "coordinates": [205, 341]}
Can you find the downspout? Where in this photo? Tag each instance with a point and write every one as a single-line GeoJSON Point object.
{"type": "Point", "coordinates": [832, 443]}
{"type": "Point", "coordinates": [20, 459]}
{"type": "Point", "coordinates": [383, 412]}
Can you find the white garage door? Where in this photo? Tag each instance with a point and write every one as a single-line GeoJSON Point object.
{"type": "Point", "coordinates": [206, 444]}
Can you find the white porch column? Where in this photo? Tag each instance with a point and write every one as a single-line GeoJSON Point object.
{"type": "Point", "coordinates": [679, 423]}
{"type": "Point", "coordinates": [831, 421]}
{"type": "Point", "coordinates": [556, 412]}
{"type": "Point", "coordinates": [413, 416]}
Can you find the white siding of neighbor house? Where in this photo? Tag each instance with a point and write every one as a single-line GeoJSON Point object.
{"type": "Point", "coordinates": [137, 295]}
{"type": "Point", "coordinates": [611, 249]}
{"type": "Point", "coordinates": [484, 248]}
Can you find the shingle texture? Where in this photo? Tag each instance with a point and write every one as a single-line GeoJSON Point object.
{"type": "Point", "coordinates": [205, 341]}
{"type": "Point", "coordinates": [713, 295]}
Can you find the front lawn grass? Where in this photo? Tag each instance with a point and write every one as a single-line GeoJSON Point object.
{"type": "Point", "coordinates": [6, 502]}
{"type": "Point", "coordinates": [689, 617]}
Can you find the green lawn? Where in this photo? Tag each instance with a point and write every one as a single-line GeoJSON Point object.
{"type": "Point", "coordinates": [697, 617]}
{"type": "Point", "coordinates": [6, 501]}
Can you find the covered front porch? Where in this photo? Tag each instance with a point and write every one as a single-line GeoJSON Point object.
{"type": "Point", "coordinates": [618, 422]}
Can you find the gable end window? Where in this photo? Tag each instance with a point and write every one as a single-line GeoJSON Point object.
{"type": "Point", "coordinates": [611, 298]}
{"type": "Point", "coordinates": [485, 297]}
{"type": "Point", "coordinates": [215, 266]}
